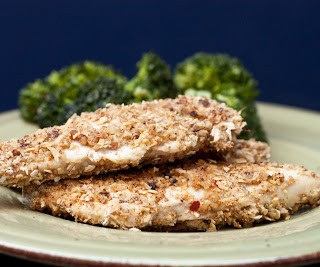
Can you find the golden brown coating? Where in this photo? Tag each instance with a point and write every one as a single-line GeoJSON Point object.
{"type": "Point", "coordinates": [247, 151]}
{"type": "Point", "coordinates": [118, 137]}
{"type": "Point", "coordinates": [191, 195]}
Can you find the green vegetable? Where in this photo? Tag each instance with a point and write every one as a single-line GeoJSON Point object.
{"type": "Point", "coordinates": [30, 98]}
{"type": "Point", "coordinates": [88, 85]}
{"type": "Point", "coordinates": [44, 100]}
{"type": "Point", "coordinates": [96, 94]}
{"type": "Point", "coordinates": [153, 80]}
{"type": "Point", "coordinates": [254, 128]}
{"type": "Point", "coordinates": [224, 78]}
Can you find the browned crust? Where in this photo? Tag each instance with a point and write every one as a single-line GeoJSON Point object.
{"type": "Point", "coordinates": [232, 196]}
{"type": "Point", "coordinates": [248, 151]}
{"type": "Point", "coordinates": [196, 124]}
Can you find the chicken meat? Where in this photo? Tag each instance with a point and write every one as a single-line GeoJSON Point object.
{"type": "Point", "coordinates": [119, 137]}
{"type": "Point", "coordinates": [193, 195]}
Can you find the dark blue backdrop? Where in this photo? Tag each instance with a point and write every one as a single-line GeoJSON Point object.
{"type": "Point", "coordinates": [278, 41]}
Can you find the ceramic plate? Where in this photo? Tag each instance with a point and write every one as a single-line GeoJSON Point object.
{"type": "Point", "coordinates": [294, 138]}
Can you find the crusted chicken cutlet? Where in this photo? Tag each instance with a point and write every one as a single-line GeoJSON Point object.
{"type": "Point", "coordinates": [202, 195]}
{"type": "Point", "coordinates": [118, 137]}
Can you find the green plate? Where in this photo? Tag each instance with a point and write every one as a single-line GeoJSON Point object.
{"type": "Point", "coordinates": [294, 137]}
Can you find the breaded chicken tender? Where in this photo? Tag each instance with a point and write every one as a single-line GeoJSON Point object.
{"type": "Point", "coordinates": [119, 137]}
{"type": "Point", "coordinates": [201, 195]}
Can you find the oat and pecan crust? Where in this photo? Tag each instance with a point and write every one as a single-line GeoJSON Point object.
{"type": "Point", "coordinates": [235, 194]}
{"type": "Point", "coordinates": [196, 124]}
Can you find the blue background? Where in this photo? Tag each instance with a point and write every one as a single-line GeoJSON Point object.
{"type": "Point", "coordinates": [278, 41]}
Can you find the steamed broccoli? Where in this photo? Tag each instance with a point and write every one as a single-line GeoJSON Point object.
{"type": "Point", "coordinates": [153, 79]}
{"type": "Point", "coordinates": [43, 100]}
{"type": "Point", "coordinates": [92, 95]}
{"type": "Point", "coordinates": [224, 78]}
{"type": "Point", "coordinates": [30, 98]}
{"type": "Point", "coordinates": [89, 85]}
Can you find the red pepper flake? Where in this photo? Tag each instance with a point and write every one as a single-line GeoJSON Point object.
{"type": "Point", "coordinates": [193, 113]}
{"type": "Point", "coordinates": [54, 133]}
{"type": "Point", "coordinates": [16, 152]}
{"type": "Point", "coordinates": [23, 143]}
{"type": "Point", "coordinates": [205, 102]}
{"type": "Point", "coordinates": [195, 205]}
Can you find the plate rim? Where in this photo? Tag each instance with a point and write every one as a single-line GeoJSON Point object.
{"type": "Point", "coordinates": [310, 258]}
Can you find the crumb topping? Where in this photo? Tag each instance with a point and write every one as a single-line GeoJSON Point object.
{"type": "Point", "coordinates": [199, 195]}
{"type": "Point", "coordinates": [118, 137]}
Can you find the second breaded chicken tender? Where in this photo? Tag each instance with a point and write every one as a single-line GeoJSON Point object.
{"type": "Point", "coordinates": [118, 137]}
{"type": "Point", "coordinates": [193, 195]}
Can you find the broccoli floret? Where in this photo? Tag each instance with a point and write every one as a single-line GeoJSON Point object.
{"type": "Point", "coordinates": [91, 95]}
{"type": "Point", "coordinates": [220, 74]}
{"type": "Point", "coordinates": [254, 128]}
{"type": "Point", "coordinates": [98, 93]}
{"type": "Point", "coordinates": [49, 112]}
{"type": "Point", "coordinates": [45, 98]}
{"type": "Point", "coordinates": [30, 98]}
{"type": "Point", "coordinates": [153, 80]}
{"type": "Point", "coordinates": [224, 78]}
